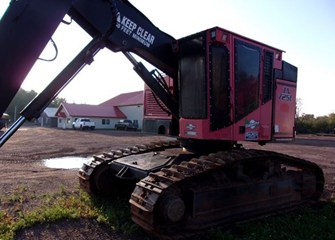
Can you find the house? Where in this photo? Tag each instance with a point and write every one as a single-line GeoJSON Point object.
{"type": "Point", "coordinates": [48, 117]}
{"type": "Point", "coordinates": [103, 116]}
{"type": "Point", "coordinates": [131, 104]}
{"type": "Point", "coordinates": [106, 114]}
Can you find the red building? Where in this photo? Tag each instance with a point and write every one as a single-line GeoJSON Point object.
{"type": "Point", "coordinates": [156, 117]}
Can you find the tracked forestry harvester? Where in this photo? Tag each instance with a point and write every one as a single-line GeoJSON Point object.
{"type": "Point", "coordinates": [226, 89]}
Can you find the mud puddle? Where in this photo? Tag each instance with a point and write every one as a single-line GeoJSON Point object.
{"type": "Point", "coordinates": [70, 162]}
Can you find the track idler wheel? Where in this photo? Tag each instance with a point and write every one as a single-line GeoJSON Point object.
{"type": "Point", "coordinates": [103, 182]}
{"type": "Point", "coordinates": [173, 209]}
{"type": "Point", "coordinates": [170, 213]}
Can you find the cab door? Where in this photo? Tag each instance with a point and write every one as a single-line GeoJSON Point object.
{"type": "Point", "coordinates": [284, 108]}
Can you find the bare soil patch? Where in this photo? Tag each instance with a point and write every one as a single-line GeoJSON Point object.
{"type": "Point", "coordinates": [21, 167]}
{"type": "Point", "coordinates": [70, 229]}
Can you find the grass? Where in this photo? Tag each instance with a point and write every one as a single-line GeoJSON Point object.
{"type": "Point", "coordinates": [62, 205]}
{"type": "Point", "coordinates": [308, 223]}
{"type": "Point", "coordinates": [304, 224]}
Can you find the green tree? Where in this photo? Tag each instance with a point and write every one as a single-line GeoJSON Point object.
{"type": "Point", "coordinates": [321, 125]}
{"type": "Point", "coordinates": [307, 123]}
{"type": "Point", "coordinates": [331, 121]}
{"type": "Point", "coordinates": [57, 101]}
{"type": "Point", "coordinates": [21, 99]}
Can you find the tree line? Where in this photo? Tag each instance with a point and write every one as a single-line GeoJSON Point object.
{"type": "Point", "coordinates": [22, 98]}
{"type": "Point", "coordinates": [308, 123]}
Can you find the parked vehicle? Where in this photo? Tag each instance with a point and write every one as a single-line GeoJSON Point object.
{"type": "Point", "coordinates": [126, 124]}
{"type": "Point", "coordinates": [83, 123]}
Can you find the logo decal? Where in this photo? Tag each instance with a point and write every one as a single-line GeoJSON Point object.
{"type": "Point", "coordinates": [252, 124]}
{"type": "Point", "coordinates": [190, 126]}
{"type": "Point", "coordinates": [251, 135]}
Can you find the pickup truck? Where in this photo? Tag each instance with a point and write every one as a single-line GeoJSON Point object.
{"type": "Point", "coordinates": [83, 123]}
{"type": "Point", "coordinates": [126, 124]}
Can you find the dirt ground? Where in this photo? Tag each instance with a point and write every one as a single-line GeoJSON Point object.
{"type": "Point", "coordinates": [21, 164]}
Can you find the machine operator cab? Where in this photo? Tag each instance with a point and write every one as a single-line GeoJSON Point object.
{"type": "Point", "coordinates": [234, 88]}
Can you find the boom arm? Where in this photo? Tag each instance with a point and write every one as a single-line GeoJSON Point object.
{"type": "Point", "coordinates": [27, 26]}
{"type": "Point", "coordinates": [25, 29]}
{"type": "Point", "coordinates": [127, 29]}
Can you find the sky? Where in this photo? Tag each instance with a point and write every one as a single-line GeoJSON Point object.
{"type": "Point", "coordinates": [304, 29]}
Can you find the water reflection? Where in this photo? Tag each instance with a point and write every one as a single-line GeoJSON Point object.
{"type": "Point", "coordinates": [70, 162]}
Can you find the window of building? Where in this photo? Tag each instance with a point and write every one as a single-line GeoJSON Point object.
{"type": "Point", "coordinates": [105, 122]}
